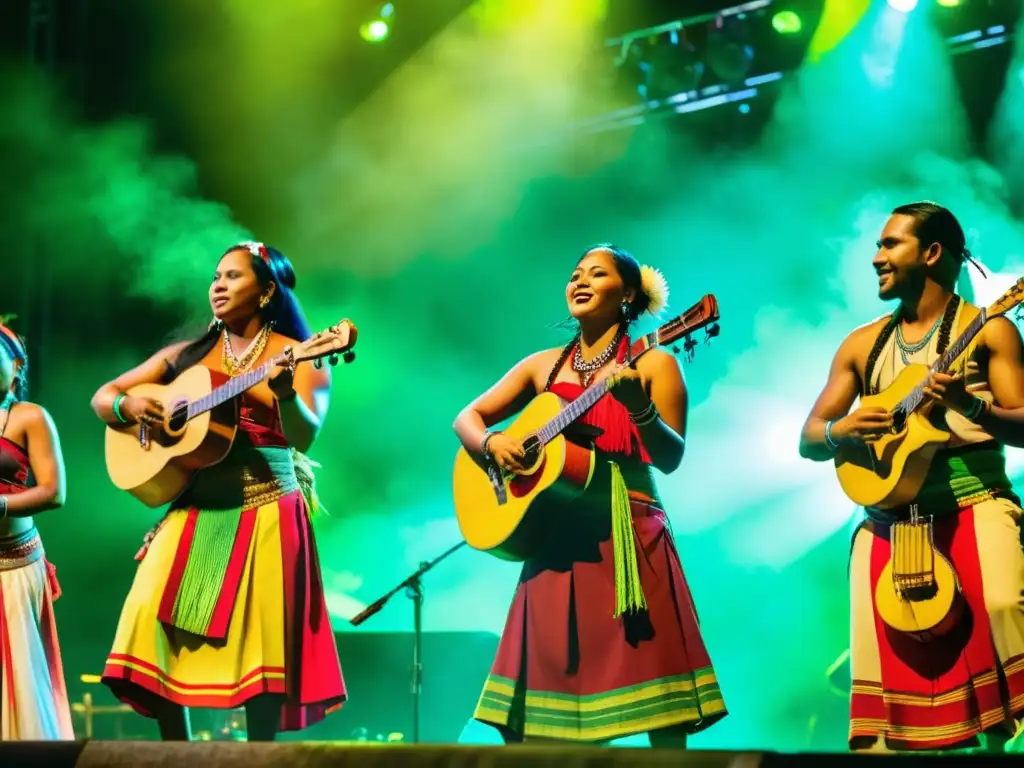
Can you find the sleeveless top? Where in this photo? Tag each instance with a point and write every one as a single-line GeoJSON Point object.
{"type": "Point", "coordinates": [15, 471]}
{"type": "Point", "coordinates": [972, 466]}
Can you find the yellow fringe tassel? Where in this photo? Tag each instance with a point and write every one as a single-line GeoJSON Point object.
{"type": "Point", "coordinates": [629, 592]}
{"type": "Point", "coordinates": [304, 473]}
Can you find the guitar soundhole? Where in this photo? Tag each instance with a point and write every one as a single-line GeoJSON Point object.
{"type": "Point", "coordinates": [178, 416]}
{"type": "Point", "coordinates": [533, 448]}
{"type": "Point", "coordinates": [899, 421]}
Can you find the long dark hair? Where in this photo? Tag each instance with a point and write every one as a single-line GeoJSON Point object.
{"type": "Point", "coordinates": [14, 346]}
{"type": "Point", "coordinates": [283, 310]}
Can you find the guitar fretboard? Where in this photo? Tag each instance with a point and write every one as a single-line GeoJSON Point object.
{"type": "Point", "coordinates": [912, 400]}
{"type": "Point", "coordinates": [227, 391]}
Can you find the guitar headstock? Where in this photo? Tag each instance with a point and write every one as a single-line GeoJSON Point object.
{"type": "Point", "coordinates": [329, 343]}
{"type": "Point", "coordinates": [1009, 300]}
{"type": "Point", "coordinates": [703, 314]}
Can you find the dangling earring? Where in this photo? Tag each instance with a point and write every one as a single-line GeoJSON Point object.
{"type": "Point", "coordinates": [215, 323]}
{"type": "Point", "coordinates": [264, 300]}
{"type": "Point", "coordinates": [627, 311]}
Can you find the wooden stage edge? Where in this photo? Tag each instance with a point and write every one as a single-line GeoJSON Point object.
{"type": "Point", "coordinates": [127, 754]}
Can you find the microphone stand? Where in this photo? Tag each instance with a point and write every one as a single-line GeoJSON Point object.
{"type": "Point", "coordinates": [413, 586]}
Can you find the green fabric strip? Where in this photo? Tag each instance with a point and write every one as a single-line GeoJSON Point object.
{"type": "Point", "coordinates": [248, 477]}
{"type": "Point", "coordinates": [203, 578]}
{"type": "Point", "coordinates": [629, 592]}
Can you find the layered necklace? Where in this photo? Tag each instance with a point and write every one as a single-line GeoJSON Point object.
{"type": "Point", "coordinates": [233, 366]}
{"type": "Point", "coordinates": [587, 370]}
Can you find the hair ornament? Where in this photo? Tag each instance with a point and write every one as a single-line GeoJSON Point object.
{"type": "Point", "coordinates": [10, 339]}
{"type": "Point", "coordinates": [655, 288]}
{"type": "Point", "coordinates": [257, 249]}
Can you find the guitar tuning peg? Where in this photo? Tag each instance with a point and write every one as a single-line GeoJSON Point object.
{"type": "Point", "coordinates": [349, 356]}
{"type": "Point", "coordinates": [713, 330]}
{"type": "Point", "coordinates": [318, 363]}
{"type": "Point", "coordinates": [688, 347]}
{"type": "Point", "coordinates": [675, 348]}
{"type": "Point", "coordinates": [333, 360]}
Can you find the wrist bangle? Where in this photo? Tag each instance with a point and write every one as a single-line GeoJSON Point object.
{"type": "Point", "coordinates": [975, 410]}
{"type": "Point", "coordinates": [3, 507]}
{"type": "Point", "coordinates": [483, 443]}
{"type": "Point", "coordinates": [645, 416]}
{"type": "Point", "coordinates": [832, 444]}
{"type": "Point", "coordinates": [650, 418]}
{"type": "Point", "coordinates": [116, 410]}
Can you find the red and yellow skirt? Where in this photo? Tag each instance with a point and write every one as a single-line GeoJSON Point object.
{"type": "Point", "coordinates": [944, 693]}
{"type": "Point", "coordinates": [266, 628]}
{"type": "Point", "coordinates": [568, 669]}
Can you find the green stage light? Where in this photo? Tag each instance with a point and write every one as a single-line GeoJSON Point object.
{"type": "Point", "coordinates": [786, 23]}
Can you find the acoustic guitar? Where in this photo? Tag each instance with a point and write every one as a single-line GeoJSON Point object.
{"type": "Point", "coordinates": [890, 472]}
{"type": "Point", "coordinates": [506, 514]}
{"type": "Point", "coordinates": [201, 411]}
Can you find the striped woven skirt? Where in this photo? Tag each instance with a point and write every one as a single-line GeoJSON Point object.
{"type": "Point", "coordinates": [34, 703]}
{"type": "Point", "coordinates": [944, 693]}
{"type": "Point", "coordinates": [567, 669]}
{"type": "Point", "coordinates": [228, 602]}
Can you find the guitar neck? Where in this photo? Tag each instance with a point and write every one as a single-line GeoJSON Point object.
{"type": "Point", "coordinates": [230, 390]}
{"type": "Point", "coordinates": [573, 411]}
{"type": "Point", "coordinates": [943, 364]}
{"type": "Point", "coordinates": [592, 394]}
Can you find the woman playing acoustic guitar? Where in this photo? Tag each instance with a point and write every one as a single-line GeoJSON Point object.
{"type": "Point", "coordinates": [35, 701]}
{"type": "Point", "coordinates": [227, 607]}
{"type": "Point", "coordinates": [602, 639]}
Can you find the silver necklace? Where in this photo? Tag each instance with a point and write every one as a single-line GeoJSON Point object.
{"type": "Point", "coordinates": [908, 350]}
{"type": "Point", "coordinates": [586, 370]}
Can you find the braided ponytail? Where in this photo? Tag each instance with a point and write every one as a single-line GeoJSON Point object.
{"type": "Point", "coordinates": [566, 351]}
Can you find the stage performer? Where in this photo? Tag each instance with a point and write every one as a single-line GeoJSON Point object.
{"type": "Point", "coordinates": [602, 640]}
{"type": "Point", "coordinates": [966, 686]}
{"type": "Point", "coordinates": [33, 697]}
{"type": "Point", "coordinates": [227, 606]}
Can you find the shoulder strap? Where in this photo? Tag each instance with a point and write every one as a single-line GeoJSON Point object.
{"type": "Point", "coordinates": [876, 350]}
{"type": "Point", "coordinates": [967, 314]}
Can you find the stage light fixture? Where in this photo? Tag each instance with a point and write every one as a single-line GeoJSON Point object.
{"type": "Point", "coordinates": [728, 54]}
{"type": "Point", "coordinates": [671, 66]}
{"type": "Point", "coordinates": [904, 6]}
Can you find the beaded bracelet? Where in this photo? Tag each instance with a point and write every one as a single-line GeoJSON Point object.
{"type": "Point", "coordinates": [483, 443]}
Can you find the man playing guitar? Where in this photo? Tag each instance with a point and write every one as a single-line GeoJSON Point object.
{"type": "Point", "coordinates": [964, 685]}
